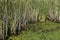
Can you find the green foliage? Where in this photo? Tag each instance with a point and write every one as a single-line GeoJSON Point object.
{"type": "Point", "coordinates": [19, 7]}
{"type": "Point", "coordinates": [29, 10]}
{"type": "Point", "coordinates": [39, 31]}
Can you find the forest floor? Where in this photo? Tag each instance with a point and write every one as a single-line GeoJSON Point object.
{"type": "Point", "coordinates": [39, 31]}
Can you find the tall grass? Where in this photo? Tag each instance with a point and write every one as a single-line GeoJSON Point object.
{"type": "Point", "coordinates": [24, 11]}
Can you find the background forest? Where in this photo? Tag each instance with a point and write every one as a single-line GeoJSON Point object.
{"type": "Point", "coordinates": [30, 19]}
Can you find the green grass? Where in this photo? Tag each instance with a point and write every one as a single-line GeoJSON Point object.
{"type": "Point", "coordinates": [39, 31]}
{"type": "Point", "coordinates": [0, 27]}
{"type": "Point", "coordinates": [0, 22]}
